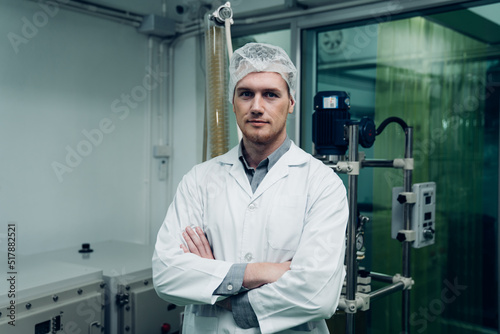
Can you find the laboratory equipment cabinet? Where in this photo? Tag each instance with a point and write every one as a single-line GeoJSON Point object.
{"type": "Point", "coordinates": [43, 296]}
{"type": "Point", "coordinates": [131, 303]}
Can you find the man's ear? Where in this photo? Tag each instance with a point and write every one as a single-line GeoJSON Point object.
{"type": "Point", "coordinates": [292, 104]}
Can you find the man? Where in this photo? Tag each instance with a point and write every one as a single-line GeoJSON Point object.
{"type": "Point", "coordinates": [254, 239]}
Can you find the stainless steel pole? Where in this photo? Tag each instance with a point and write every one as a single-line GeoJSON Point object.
{"type": "Point", "coordinates": [378, 163]}
{"type": "Point", "coordinates": [381, 277]}
{"type": "Point", "coordinates": [407, 185]}
{"type": "Point", "coordinates": [351, 260]}
{"type": "Point", "coordinates": [387, 290]}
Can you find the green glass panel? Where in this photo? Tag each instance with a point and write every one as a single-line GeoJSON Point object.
{"type": "Point", "coordinates": [443, 79]}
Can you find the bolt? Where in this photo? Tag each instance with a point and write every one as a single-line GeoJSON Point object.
{"type": "Point", "coordinates": [55, 298]}
{"type": "Point", "coordinates": [127, 288]}
{"type": "Point", "coordinates": [127, 328]}
{"type": "Point", "coordinates": [28, 306]}
{"type": "Point", "coordinates": [352, 308]}
{"type": "Point", "coordinates": [80, 291]}
{"type": "Point", "coordinates": [127, 308]}
{"type": "Point", "coordinates": [146, 282]}
{"type": "Point", "coordinates": [102, 285]}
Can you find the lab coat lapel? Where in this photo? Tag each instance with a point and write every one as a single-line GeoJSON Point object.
{"type": "Point", "coordinates": [241, 178]}
{"type": "Point", "coordinates": [279, 171]}
{"type": "Point", "coordinates": [293, 157]}
{"type": "Point", "coordinates": [236, 170]}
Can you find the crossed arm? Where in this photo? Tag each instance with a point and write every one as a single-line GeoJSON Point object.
{"type": "Point", "coordinates": [256, 274]}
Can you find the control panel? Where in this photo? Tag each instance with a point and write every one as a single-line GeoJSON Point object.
{"type": "Point", "coordinates": [423, 213]}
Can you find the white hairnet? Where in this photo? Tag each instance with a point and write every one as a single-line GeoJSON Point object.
{"type": "Point", "coordinates": [260, 57]}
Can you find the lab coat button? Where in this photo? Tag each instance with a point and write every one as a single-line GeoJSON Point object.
{"type": "Point", "coordinates": [251, 207]}
{"type": "Point", "coordinates": [248, 257]}
{"type": "Point", "coordinates": [229, 287]}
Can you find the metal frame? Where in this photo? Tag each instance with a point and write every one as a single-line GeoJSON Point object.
{"type": "Point", "coordinates": [399, 282]}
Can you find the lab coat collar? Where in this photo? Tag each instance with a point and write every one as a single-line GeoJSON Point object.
{"type": "Point", "coordinates": [293, 157]}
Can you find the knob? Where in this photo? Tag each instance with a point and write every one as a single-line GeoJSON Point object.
{"type": "Point", "coordinates": [428, 233]}
{"type": "Point", "coordinates": [86, 249]}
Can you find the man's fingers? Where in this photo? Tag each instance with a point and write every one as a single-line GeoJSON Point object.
{"type": "Point", "coordinates": [197, 242]}
{"type": "Point", "coordinates": [204, 241]}
{"type": "Point", "coordinates": [190, 242]}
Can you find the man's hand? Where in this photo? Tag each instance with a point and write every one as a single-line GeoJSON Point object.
{"type": "Point", "coordinates": [256, 274]}
{"type": "Point", "coordinates": [197, 243]}
{"type": "Point", "coordinates": [260, 273]}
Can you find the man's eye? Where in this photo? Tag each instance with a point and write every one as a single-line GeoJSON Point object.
{"type": "Point", "coordinates": [245, 94]}
{"type": "Point", "coordinates": [270, 94]}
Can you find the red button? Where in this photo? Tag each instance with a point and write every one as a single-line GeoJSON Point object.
{"type": "Point", "coordinates": [165, 328]}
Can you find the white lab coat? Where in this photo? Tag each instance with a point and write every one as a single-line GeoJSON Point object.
{"type": "Point", "coordinates": [298, 212]}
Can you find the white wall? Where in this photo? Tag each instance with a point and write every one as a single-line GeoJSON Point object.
{"type": "Point", "coordinates": [184, 123]}
{"type": "Point", "coordinates": [188, 107]}
{"type": "Point", "coordinates": [63, 73]}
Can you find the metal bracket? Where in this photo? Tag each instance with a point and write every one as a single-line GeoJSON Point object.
{"type": "Point", "coordinates": [406, 235]}
{"type": "Point", "coordinates": [223, 13]}
{"type": "Point", "coordinates": [350, 306]}
{"type": "Point", "coordinates": [361, 156]}
{"type": "Point", "coordinates": [406, 164]}
{"type": "Point", "coordinates": [407, 281]}
{"type": "Point", "coordinates": [349, 167]}
{"type": "Point", "coordinates": [362, 303]}
{"type": "Point", "coordinates": [407, 197]}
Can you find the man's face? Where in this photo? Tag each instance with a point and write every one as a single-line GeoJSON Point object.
{"type": "Point", "coordinates": [261, 104]}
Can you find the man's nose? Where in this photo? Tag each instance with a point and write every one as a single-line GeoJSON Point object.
{"type": "Point", "coordinates": [257, 104]}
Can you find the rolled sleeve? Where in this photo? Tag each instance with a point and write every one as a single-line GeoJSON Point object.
{"type": "Point", "coordinates": [233, 282]}
{"type": "Point", "coordinates": [243, 313]}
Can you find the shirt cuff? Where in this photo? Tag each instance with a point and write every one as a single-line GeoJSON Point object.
{"type": "Point", "coordinates": [243, 313]}
{"type": "Point", "coordinates": [233, 282]}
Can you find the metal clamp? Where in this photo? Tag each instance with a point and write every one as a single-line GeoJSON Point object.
{"type": "Point", "coordinates": [350, 306]}
{"type": "Point", "coordinates": [362, 303]}
{"type": "Point", "coordinates": [406, 164]}
{"type": "Point", "coordinates": [406, 235]}
{"type": "Point", "coordinates": [407, 197]}
{"type": "Point", "coordinates": [223, 13]}
{"type": "Point", "coordinates": [407, 281]}
{"type": "Point", "coordinates": [349, 167]}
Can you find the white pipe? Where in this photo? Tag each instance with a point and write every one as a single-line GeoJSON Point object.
{"type": "Point", "coordinates": [162, 95]}
{"type": "Point", "coordinates": [229, 43]}
{"type": "Point", "coordinates": [291, 14]}
{"type": "Point", "coordinates": [147, 150]}
{"type": "Point", "coordinates": [117, 16]}
{"type": "Point", "coordinates": [168, 103]}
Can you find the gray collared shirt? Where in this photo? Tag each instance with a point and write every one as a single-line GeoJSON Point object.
{"type": "Point", "coordinates": [256, 175]}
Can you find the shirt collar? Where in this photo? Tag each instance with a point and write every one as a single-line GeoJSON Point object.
{"type": "Point", "coordinates": [272, 159]}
